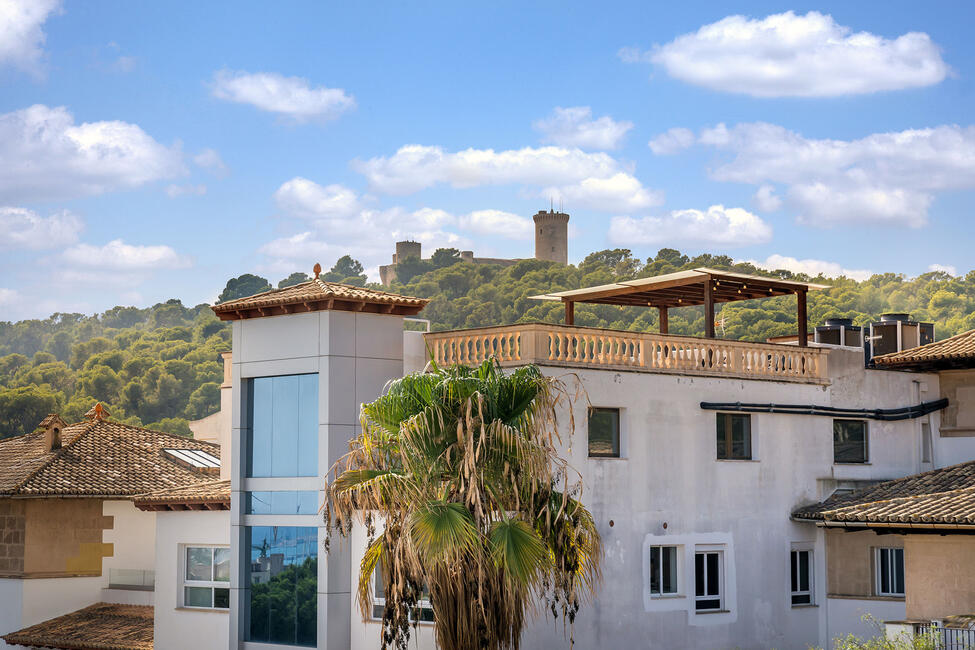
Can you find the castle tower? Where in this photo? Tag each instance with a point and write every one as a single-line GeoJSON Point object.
{"type": "Point", "coordinates": [552, 236]}
{"type": "Point", "coordinates": [406, 249]}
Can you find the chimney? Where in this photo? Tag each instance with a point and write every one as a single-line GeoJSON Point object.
{"type": "Point", "coordinates": [52, 426]}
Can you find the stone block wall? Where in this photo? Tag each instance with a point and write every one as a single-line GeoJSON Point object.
{"type": "Point", "coordinates": [12, 536]}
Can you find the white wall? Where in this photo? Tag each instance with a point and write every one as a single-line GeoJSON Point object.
{"type": "Point", "coordinates": [177, 628]}
{"type": "Point", "coordinates": [846, 616]}
{"type": "Point", "coordinates": [132, 537]}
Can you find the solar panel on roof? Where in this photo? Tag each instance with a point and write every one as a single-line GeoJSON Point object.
{"type": "Point", "coordinates": [194, 457]}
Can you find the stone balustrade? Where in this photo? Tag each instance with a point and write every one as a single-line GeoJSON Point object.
{"type": "Point", "coordinates": [586, 347]}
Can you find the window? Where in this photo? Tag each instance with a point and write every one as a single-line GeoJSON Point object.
{"type": "Point", "coordinates": [849, 441]}
{"type": "Point", "coordinates": [663, 571]}
{"type": "Point", "coordinates": [379, 599]}
{"type": "Point", "coordinates": [734, 436]}
{"type": "Point", "coordinates": [283, 502]}
{"type": "Point", "coordinates": [604, 433]}
{"type": "Point", "coordinates": [282, 426]}
{"type": "Point", "coordinates": [206, 577]}
{"type": "Point", "coordinates": [925, 442]}
{"type": "Point", "coordinates": [282, 580]}
{"type": "Point", "coordinates": [890, 572]}
{"type": "Point", "coordinates": [802, 577]}
{"type": "Point", "coordinates": [707, 580]}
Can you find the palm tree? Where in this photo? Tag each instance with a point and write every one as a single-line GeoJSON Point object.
{"type": "Point", "coordinates": [459, 468]}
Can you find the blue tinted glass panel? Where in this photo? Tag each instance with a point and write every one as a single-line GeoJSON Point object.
{"type": "Point", "coordinates": [282, 577]}
{"type": "Point", "coordinates": [282, 503]}
{"type": "Point", "coordinates": [308, 425]}
{"type": "Point", "coordinates": [282, 424]}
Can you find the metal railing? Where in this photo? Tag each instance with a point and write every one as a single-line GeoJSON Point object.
{"type": "Point", "coordinates": [948, 638]}
{"type": "Point", "coordinates": [587, 347]}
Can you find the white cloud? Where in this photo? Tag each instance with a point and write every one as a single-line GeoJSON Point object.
{"type": "Point", "coordinates": [174, 191]}
{"type": "Point", "coordinates": [210, 160]}
{"type": "Point", "coordinates": [574, 127]}
{"type": "Point", "coordinates": [8, 297]}
{"type": "Point", "coordinates": [766, 200]}
{"type": "Point", "coordinates": [621, 192]}
{"type": "Point", "coordinates": [672, 141]}
{"type": "Point", "coordinates": [116, 255]}
{"type": "Point", "coordinates": [21, 32]}
{"type": "Point", "coordinates": [292, 97]}
{"type": "Point", "coordinates": [45, 155]}
{"type": "Point", "coordinates": [303, 198]}
{"type": "Point", "coordinates": [716, 226]}
{"type": "Point", "coordinates": [23, 228]}
{"type": "Point", "coordinates": [416, 167]}
{"type": "Point", "coordinates": [944, 268]}
{"type": "Point", "coordinates": [496, 222]}
{"type": "Point", "coordinates": [882, 178]}
{"type": "Point", "coordinates": [785, 55]}
{"type": "Point", "coordinates": [811, 267]}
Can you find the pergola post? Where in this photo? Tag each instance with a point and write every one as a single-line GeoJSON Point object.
{"type": "Point", "coordinates": [802, 318]}
{"type": "Point", "coordinates": [708, 307]}
{"type": "Point", "coordinates": [570, 312]}
{"type": "Point", "coordinates": [664, 325]}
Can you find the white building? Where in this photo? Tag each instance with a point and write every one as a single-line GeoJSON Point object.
{"type": "Point", "coordinates": [695, 456]}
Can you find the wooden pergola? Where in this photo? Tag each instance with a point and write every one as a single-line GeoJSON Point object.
{"type": "Point", "coordinates": [701, 286]}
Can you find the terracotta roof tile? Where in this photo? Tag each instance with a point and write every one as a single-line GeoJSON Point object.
{"type": "Point", "coordinates": [211, 493]}
{"type": "Point", "coordinates": [954, 351]}
{"type": "Point", "coordinates": [315, 295]}
{"type": "Point", "coordinates": [941, 496]}
{"type": "Point", "coordinates": [100, 458]}
{"type": "Point", "coordinates": [102, 626]}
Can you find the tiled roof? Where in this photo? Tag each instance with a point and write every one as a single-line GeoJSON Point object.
{"type": "Point", "coordinates": [957, 351]}
{"type": "Point", "coordinates": [102, 626]}
{"type": "Point", "coordinates": [209, 495]}
{"type": "Point", "coordinates": [97, 458]}
{"type": "Point", "coordinates": [315, 295]}
{"type": "Point", "coordinates": [941, 496]}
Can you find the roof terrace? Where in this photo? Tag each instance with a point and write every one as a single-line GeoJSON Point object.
{"type": "Point", "coordinates": [586, 347]}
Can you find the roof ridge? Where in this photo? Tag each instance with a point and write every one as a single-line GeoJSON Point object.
{"type": "Point", "coordinates": [158, 432]}
{"type": "Point", "coordinates": [57, 454]}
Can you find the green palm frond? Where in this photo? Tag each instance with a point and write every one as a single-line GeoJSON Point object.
{"type": "Point", "coordinates": [441, 530]}
{"type": "Point", "coordinates": [518, 552]}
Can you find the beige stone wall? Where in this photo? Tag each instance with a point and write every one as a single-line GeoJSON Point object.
{"type": "Point", "coordinates": [958, 419]}
{"type": "Point", "coordinates": [64, 537]}
{"type": "Point", "coordinates": [12, 522]}
{"type": "Point", "coordinates": [939, 575]}
{"type": "Point", "coordinates": [849, 561]}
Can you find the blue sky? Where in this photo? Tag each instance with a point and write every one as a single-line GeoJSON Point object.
{"type": "Point", "coordinates": [150, 151]}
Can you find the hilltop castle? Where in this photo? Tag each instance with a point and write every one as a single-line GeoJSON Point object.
{"type": "Point", "coordinates": [551, 243]}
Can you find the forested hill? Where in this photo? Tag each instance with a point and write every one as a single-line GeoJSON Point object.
{"type": "Point", "coordinates": [160, 366]}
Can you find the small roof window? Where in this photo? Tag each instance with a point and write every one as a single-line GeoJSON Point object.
{"type": "Point", "coordinates": [194, 457]}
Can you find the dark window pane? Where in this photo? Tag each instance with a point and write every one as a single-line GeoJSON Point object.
{"type": "Point", "coordinates": [221, 598]}
{"type": "Point", "coordinates": [282, 577]}
{"type": "Point", "coordinates": [712, 585]}
{"type": "Point", "coordinates": [885, 570]}
{"type": "Point", "coordinates": [604, 432]}
{"type": "Point", "coordinates": [654, 569]}
{"type": "Point", "coordinates": [849, 441]}
{"type": "Point", "coordinates": [699, 574]}
{"type": "Point", "coordinates": [669, 564]}
{"type": "Point", "coordinates": [803, 571]}
{"type": "Point", "coordinates": [711, 603]}
{"type": "Point", "coordinates": [734, 436]}
{"type": "Point", "coordinates": [802, 599]}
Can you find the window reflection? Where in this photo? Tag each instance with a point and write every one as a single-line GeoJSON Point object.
{"type": "Point", "coordinates": [282, 574]}
{"type": "Point", "coordinates": [283, 502]}
{"type": "Point", "coordinates": [282, 423]}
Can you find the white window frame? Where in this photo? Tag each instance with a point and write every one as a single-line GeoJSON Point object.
{"type": "Point", "coordinates": [184, 550]}
{"type": "Point", "coordinates": [720, 596]}
{"type": "Point", "coordinates": [795, 575]}
{"type": "Point", "coordinates": [892, 553]}
{"type": "Point", "coordinates": [677, 571]}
